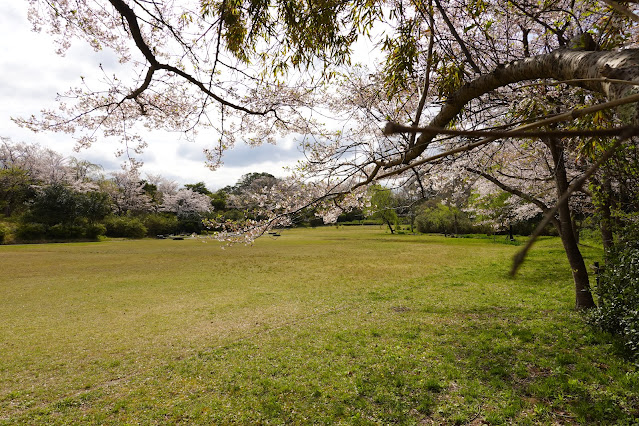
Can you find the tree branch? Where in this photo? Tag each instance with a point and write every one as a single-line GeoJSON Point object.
{"type": "Point", "coordinates": [561, 64]}
{"type": "Point", "coordinates": [132, 21]}
{"type": "Point", "coordinates": [392, 128]}
{"type": "Point", "coordinates": [622, 9]}
{"type": "Point", "coordinates": [455, 34]}
{"type": "Point", "coordinates": [544, 208]}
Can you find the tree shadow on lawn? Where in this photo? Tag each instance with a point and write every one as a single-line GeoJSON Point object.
{"type": "Point", "coordinates": [393, 363]}
{"type": "Point", "coordinates": [386, 361]}
{"type": "Point", "coordinates": [545, 373]}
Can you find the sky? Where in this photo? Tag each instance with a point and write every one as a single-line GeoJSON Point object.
{"type": "Point", "coordinates": [31, 74]}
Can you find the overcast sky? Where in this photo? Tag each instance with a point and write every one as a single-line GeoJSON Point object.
{"type": "Point", "coordinates": [31, 74]}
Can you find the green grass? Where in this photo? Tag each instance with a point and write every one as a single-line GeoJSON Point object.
{"type": "Point", "coordinates": [348, 325]}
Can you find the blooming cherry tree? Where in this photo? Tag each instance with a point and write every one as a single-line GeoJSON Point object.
{"type": "Point", "coordinates": [126, 189]}
{"type": "Point", "coordinates": [186, 203]}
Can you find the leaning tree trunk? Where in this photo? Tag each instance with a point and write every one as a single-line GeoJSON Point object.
{"type": "Point", "coordinates": [583, 296]}
{"type": "Point", "coordinates": [390, 226]}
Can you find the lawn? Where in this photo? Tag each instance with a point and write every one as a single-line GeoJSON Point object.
{"type": "Point", "coordinates": [350, 325]}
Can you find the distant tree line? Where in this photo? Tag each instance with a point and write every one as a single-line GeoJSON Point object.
{"type": "Point", "coordinates": [45, 196]}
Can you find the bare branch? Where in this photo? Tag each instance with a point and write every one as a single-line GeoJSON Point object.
{"type": "Point", "coordinates": [136, 33]}
{"type": "Point", "coordinates": [544, 208]}
{"type": "Point", "coordinates": [462, 44]}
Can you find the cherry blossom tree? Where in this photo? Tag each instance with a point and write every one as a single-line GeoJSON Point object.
{"type": "Point", "coordinates": [126, 189]}
{"type": "Point", "coordinates": [44, 166]}
{"type": "Point", "coordinates": [186, 203]}
{"type": "Point", "coordinates": [163, 186]}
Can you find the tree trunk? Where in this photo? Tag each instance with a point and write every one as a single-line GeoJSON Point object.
{"type": "Point", "coordinates": [455, 224]}
{"type": "Point", "coordinates": [390, 226]}
{"type": "Point", "coordinates": [583, 296]}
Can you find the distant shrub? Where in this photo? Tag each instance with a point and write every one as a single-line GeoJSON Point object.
{"type": "Point", "coordinates": [124, 227]}
{"type": "Point", "coordinates": [190, 225]}
{"type": "Point", "coordinates": [4, 232]}
{"type": "Point", "coordinates": [30, 231]}
{"type": "Point", "coordinates": [315, 221]}
{"type": "Point", "coordinates": [94, 230]}
{"type": "Point", "coordinates": [440, 218]}
{"type": "Point", "coordinates": [157, 224]}
{"type": "Point", "coordinates": [618, 296]}
{"type": "Point", "coordinates": [63, 231]}
{"type": "Point", "coordinates": [58, 203]}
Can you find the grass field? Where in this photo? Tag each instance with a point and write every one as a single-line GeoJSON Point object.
{"type": "Point", "coordinates": [348, 325]}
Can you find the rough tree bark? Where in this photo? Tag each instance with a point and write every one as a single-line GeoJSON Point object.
{"type": "Point", "coordinates": [583, 296]}
{"type": "Point", "coordinates": [594, 71]}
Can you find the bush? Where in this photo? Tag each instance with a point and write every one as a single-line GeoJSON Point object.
{"type": "Point", "coordinates": [124, 227]}
{"type": "Point", "coordinates": [316, 221]}
{"type": "Point", "coordinates": [31, 231]}
{"type": "Point", "coordinates": [58, 203]}
{"type": "Point", "coordinates": [4, 232]}
{"type": "Point", "coordinates": [65, 232]}
{"type": "Point", "coordinates": [618, 296]}
{"type": "Point", "coordinates": [157, 224]}
{"type": "Point", "coordinates": [94, 231]}
{"type": "Point", "coordinates": [190, 225]}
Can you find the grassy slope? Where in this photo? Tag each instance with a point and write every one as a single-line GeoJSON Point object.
{"type": "Point", "coordinates": [330, 325]}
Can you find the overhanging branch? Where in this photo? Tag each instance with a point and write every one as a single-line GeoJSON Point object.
{"type": "Point", "coordinates": [562, 64]}
{"type": "Point", "coordinates": [521, 255]}
{"type": "Point", "coordinates": [136, 33]}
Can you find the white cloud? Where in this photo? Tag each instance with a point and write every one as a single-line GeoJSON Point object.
{"type": "Point", "coordinates": [31, 75]}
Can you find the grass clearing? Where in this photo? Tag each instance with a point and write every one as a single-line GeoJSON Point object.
{"type": "Point", "coordinates": [348, 325]}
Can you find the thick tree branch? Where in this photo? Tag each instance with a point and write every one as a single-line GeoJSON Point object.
{"type": "Point", "coordinates": [569, 115]}
{"type": "Point", "coordinates": [132, 21]}
{"type": "Point", "coordinates": [392, 128]}
{"type": "Point", "coordinates": [562, 64]}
